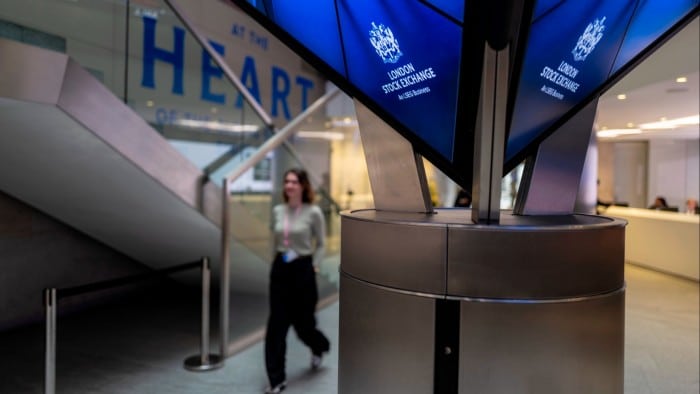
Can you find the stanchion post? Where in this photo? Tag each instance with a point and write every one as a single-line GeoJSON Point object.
{"type": "Point", "coordinates": [224, 280]}
{"type": "Point", "coordinates": [204, 361]}
{"type": "Point", "coordinates": [50, 351]}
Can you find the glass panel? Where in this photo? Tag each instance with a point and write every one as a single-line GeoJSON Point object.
{"type": "Point", "coordinates": [256, 193]}
{"type": "Point", "coordinates": [179, 89]}
{"type": "Point", "coordinates": [92, 33]}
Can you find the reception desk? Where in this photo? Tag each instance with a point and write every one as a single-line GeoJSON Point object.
{"type": "Point", "coordinates": [664, 241]}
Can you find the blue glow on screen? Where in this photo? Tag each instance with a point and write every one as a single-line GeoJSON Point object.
{"type": "Point", "coordinates": [453, 8]}
{"type": "Point", "coordinates": [414, 75]}
{"type": "Point", "coordinates": [554, 31]}
{"type": "Point", "coordinates": [415, 78]}
{"type": "Point", "coordinates": [314, 25]}
{"type": "Point", "coordinates": [570, 53]}
{"type": "Point", "coordinates": [542, 6]}
{"type": "Point", "coordinates": [650, 21]}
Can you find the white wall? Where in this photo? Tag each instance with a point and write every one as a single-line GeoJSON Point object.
{"type": "Point", "coordinates": [692, 169]}
{"type": "Point", "coordinates": [673, 171]}
{"type": "Point", "coordinates": [631, 168]}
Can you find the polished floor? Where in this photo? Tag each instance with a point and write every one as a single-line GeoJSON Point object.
{"type": "Point", "coordinates": [139, 348]}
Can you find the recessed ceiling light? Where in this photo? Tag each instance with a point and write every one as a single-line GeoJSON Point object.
{"type": "Point", "coordinates": [621, 96]}
{"type": "Point", "coordinates": [220, 126]}
{"type": "Point", "coordinates": [672, 123]}
{"type": "Point", "coordinates": [149, 103]}
{"type": "Point", "coordinates": [616, 132]}
{"type": "Point", "coordinates": [326, 135]}
{"type": "Point", "coordinates": [681, 79]}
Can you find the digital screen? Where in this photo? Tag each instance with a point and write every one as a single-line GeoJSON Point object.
{"type": "Point", "coordinates": [314, 25]}
{"type": "Point", "coordinates": [453, 8]}
{"type": "Point", "coordinates": [395, 64]}
{"type": "Point", "coordinates": [403, 60]}
{"type": "Point", "coordinates": [567, 59]}
{"type": "Point", "coordinates": [651, 19]}
{"type": "Point", "coordinates": [387, 51]}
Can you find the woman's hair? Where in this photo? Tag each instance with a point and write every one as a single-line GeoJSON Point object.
{"type": "Point", "coordinates": [307, 192]}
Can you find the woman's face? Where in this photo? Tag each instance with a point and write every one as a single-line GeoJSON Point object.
{"type": "Point", "coordinates": [292, 187]}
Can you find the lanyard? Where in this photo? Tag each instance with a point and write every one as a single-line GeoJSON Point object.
{"type": "Point", "coordinates": [286, 224]}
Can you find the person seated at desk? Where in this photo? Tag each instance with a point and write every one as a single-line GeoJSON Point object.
{"type": "Point", "coordinates": [464, 199]}
{"type": "Point", "coordinates": [659, 203]}
{"type": "Point", "coordinates": [691, 206]}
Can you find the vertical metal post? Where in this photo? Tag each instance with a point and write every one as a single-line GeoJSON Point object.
{"type": "Point", "coordinates": [490, 137]}
{"type": "Point", "coordinates": [205, 312]}
{"type": "Point", "coordinates": [50, 351]}
{"type": "Point", "coordinates": [204, 361]}
{"type": "Point", "coordinates": [551, 179]}
{"type": "Point", "coordinates": [224, 280]}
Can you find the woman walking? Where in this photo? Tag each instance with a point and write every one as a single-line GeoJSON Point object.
{"type": "Point", "coordinates": [299, 230]}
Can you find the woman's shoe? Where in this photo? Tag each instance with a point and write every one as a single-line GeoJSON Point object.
{"type": "Point", "coordinates": [276, 389]}
{"type": "Point", "coordinates": [316, 361]}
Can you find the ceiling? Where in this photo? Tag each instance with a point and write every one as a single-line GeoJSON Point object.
{"type": "Point", "coordinates": [652, 93]}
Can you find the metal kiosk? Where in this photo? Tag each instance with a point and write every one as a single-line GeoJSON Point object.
{"type": "Point", "coordinates": [480, 301]}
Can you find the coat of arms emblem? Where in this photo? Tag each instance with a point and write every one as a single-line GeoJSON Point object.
{"type": "Point", "coordinates": [384, 43]}
{"type": "Point", "coordinates": [588, 40]}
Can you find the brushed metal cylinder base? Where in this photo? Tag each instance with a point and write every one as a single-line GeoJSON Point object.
{"type": "Point", "coordinates": [435, 304]}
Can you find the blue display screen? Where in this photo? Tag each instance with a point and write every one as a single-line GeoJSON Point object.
{"type": "Point", "coordinates": [403, 60]}
{"type": "Point", "coordinates": [393, 61]}
{"type": "Point", "coordinates": [314, 25]}
{"type": "Point", "coordinates": [568, 58]}
{"type": "Point", "coordinates": [387, 51]}
{"type": "Point", "coordinates": [453, 8]}
{"type": "Point", "coordinates": [651, 19]}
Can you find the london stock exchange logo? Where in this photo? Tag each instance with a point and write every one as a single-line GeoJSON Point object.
{"type": "Point", "coordinates": [384, 43]}
{"type": "Point", "coordinates": [588, 40]}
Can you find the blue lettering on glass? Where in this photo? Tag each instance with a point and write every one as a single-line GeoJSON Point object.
{"type": "Point", "coordinates": [249, 78]}
{"type": "Point", "coordinates": [166, 116]}
{"type": "Point", "coordinates": [209, 70]}
{"type": "Point", "coordinates": [258, 40]}
{"type": "Point", "coordinates": [151, 53]}
{"type": "Point", "coordinates": [280, 93]}
{"type": "Point", "coordinates": [194, 116]}
{"type": "Point", "coordinates": [238, 30]}
{"type": "Point", "coordinates": [305, 85]}
{"type": "Point", "coordinates": [281, 85]}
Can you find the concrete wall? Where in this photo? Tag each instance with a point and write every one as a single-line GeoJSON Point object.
{"type": "Point", "coordinates": [39, 252]}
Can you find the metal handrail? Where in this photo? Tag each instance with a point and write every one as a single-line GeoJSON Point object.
{"type": "Point", "coordinates": [201, 362]}
{"type": "Point", "coordinates": [282, 135]}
